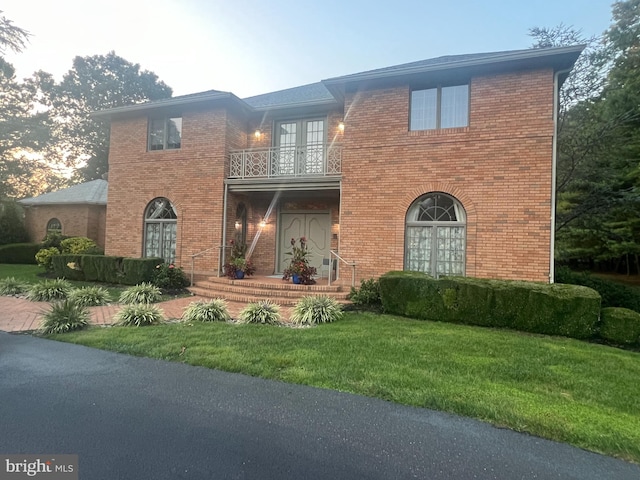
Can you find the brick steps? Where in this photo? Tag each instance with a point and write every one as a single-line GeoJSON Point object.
{"type": "Point", "coordinates": [275, 290]}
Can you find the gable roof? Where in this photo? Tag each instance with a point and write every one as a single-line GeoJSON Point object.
{"type": "Point", "coordinates": [89, 193]}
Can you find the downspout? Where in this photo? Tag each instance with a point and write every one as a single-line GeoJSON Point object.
{"type": "Point", "coordinates": [223, 243]}
{"type": "Point", "coordinates": [554, 159]}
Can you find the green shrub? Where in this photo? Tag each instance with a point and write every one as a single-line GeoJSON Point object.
{"type": "Point", "coordinates": [12, 228]}
{"type": "Point", "coordinates": [314, 310]}
{"type": "Point", "coordinates": [44, 257]}
{"type": "Point", "coordinates": [139, 315]}
{"type": "Point", "coordinates": [368, 294]}
{"type": "Point", "coordinates": [142, 293]}
{"type": "Point", "coordinates": [53, 240]}
{"type": "Point", "coordinates": [49, 290]}
{"type": "Point", "coordinates": [77, 245]}
{"type": "Point", "coordinates": [556, 309]}
{"type": "Point", "coordinates": [261, 312]}
{"type": "Point", "coordinates": [93, 296]}
{"type": "Point", "coordinates": [100, 268]}
{"type": "Point", "coordinates": [12, 286]}
{"type": "Point", "coordinates": [170, 277]}
{"type": "Point", "coordinates": [620, 326]}
{"type": "Point", "coordinates": [65, 316]}
{"type": "Point", "coordinates": [19, 253]}
{"type": "Point", "coordinates": [613, 294]}
{"type": "Point", "coordinates": [68, 266]}
{"type": "Point", "coordinates": [213, 311]}
{"type": "Point", "coordinates": [138, 270]}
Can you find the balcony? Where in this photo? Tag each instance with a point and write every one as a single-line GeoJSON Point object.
{"type": "Point", "coordinates": [286, 162]}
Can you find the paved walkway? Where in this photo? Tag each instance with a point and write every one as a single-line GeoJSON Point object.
{"type": "Point", "coordinates": [21, 315]}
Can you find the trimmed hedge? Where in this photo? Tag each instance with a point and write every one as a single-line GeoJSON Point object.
{"type": "Point", "coordinates": [101, 268]}
{"type": "Point", "coordinates": [613, 294]}
{"type": "Point", "coordinates": [620, 326]}
{"type": "Point", "coordinates": [19, 253]}
{"type": "Point", "coordinates": [138, 270]}
{"type": "Point", "coordinates": [566, 310]}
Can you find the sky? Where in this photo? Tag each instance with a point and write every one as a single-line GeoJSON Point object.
{"type": "Point", "coordinates": [250, 47]}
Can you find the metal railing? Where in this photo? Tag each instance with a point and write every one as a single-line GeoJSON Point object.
{"type": "Point", "coordinates": [220, 256]}
{"type": "Point", "coordinates": [349, 264]}
{"type": "Point", "coordinates": [319, 159]}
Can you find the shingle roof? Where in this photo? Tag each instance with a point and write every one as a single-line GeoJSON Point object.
{"type": "Point", "coordinates": [438, 61]}
{"type": "Point", "coordinates": [465, 60]}
{"type": "Point", "coordinates": [90, 193]}
{"type": "Point", "coordinates": [329, 91]}
{"type": "Point", "coordinates": [312, 93]}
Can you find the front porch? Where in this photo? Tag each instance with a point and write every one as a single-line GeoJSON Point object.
{"type": "Point", "coordinates": [267, 287]}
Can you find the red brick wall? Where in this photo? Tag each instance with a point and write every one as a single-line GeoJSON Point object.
{"type": "Point", "coordinates": [190, 177]}
{"type": "Point", "coordinates": [499, 168]}
{"type": "Point", "coordinates": [76, 220]}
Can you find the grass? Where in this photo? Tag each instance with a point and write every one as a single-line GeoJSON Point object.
{"type": "Point", "coordinates": [558, 388]}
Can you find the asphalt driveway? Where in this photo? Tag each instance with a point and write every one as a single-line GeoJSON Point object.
{"type": "Point", "coordinates": [138, 418]}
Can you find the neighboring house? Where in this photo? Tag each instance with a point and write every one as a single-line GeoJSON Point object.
{"type": "Point", "coordinates": [444, 166]}
{"type": "Point", "coordinates": [78, 211]}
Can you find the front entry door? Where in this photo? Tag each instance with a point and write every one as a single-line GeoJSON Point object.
{"type": "Point", "coordinates": [316, 227]}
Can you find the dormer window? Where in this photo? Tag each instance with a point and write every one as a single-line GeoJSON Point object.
{"type": "Point", "coordinates": [440, 107]}
{"type": "Point", "coordinates": [165, 133]}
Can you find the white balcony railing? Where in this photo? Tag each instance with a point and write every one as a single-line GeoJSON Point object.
{"type": "Point", "coordinates": [291, 161]}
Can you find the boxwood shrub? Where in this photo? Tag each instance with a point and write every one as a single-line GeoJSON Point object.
{"type": "Point", "coordinates": [19, 253]}
{"type": "Point", "coordinates": [68, 266]}
{"type": "Point", "coordinates": [613, 294]}
{"type": "Point", "coordinates": [567, 310]}
{"type": "Point", "coordinates": [106, 269]}
{"type": "Point", "coordinates": [620, 326]}
{"type": "Point", "coordinates": [138, 270]}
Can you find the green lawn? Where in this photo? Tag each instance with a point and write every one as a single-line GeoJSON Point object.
{"type": "Point", "coordinates": [579, 393]}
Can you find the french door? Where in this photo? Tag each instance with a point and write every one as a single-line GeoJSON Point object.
{"type": "Point", "coordinates": [300, 148]}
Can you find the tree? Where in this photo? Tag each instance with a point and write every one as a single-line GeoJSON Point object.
{"type": "Point", "coordinates": [12, 228]}
{"type": "Point", "coordinates": [11, 37]}
{"type": "Point", "coordinates": [23, 131]}
{"type": "Point", "coordinates": [95, 83]}
{"type": "Point", "coordinates": [599, 148]}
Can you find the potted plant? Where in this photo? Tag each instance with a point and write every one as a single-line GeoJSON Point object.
{"type": "Point", "coordinates": [299, 270]}
{"type": "Point", "coordinates": [238, 266]}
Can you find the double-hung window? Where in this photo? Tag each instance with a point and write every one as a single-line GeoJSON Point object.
{"type": "Point", "coordinates": [440, 107]}
{"type": "Point", "coordinates": [165, 133]}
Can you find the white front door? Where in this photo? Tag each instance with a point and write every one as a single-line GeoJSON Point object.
{"type": "Point", "coordinates": [316, 227]}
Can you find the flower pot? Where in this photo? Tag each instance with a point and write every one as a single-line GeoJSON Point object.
{"type": "Point", "coordinates": [296, 278]}
{"type": "Point", "coordinates": [239, 274]}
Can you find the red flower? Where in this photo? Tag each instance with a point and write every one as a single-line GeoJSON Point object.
{"type": "Point", "coordinates": [172, 266]}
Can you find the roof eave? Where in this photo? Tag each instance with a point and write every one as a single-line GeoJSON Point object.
{"type": "Point", "coordinates": [288, 106]}
{"type": "Point", "coordinates": [169, 104]}
{"type": "Point", "coordinates": [560, 58]}
{"type": "Point", "coordinates": [26, 203]}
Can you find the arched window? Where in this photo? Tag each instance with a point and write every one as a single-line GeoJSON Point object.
{"type": "Point", "coordinates": [435, 240]}
{"type": "Point", "coordinates": [54, 226]}
{"type": "Point", "coordinates": [160, 221]}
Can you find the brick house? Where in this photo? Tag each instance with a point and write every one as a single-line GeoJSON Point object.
{"type": "Point", "coordinates": [77, 211]}
{"type": "Point", "coordinates": [445, 166]}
